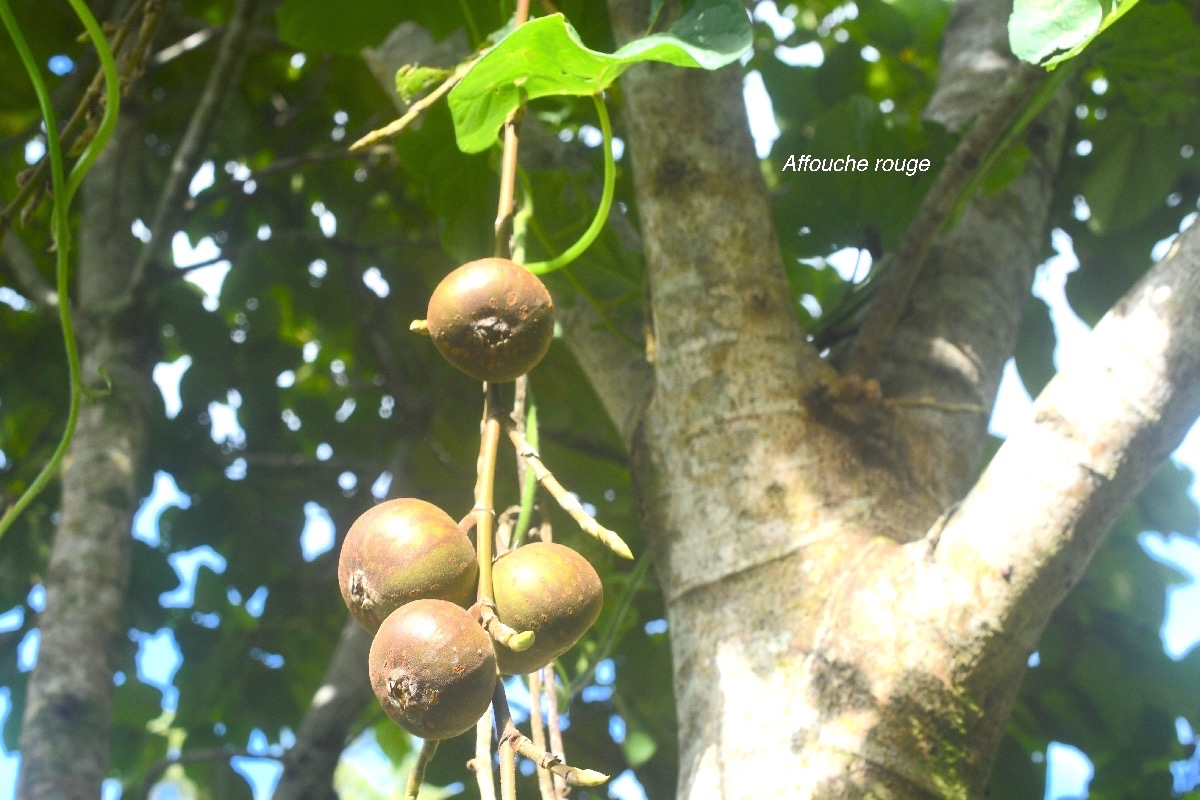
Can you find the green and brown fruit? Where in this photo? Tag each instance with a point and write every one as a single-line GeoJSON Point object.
{"type": "Point", "coordinates": [491, 318]}
{"type": "Point", "coordinates": [433, 669]}
{"type": "Point", "coordinates": [400, 551]}
{"type": "Point", "coordinates": [548, 589]}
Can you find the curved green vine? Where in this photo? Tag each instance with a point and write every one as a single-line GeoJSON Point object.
{"type": "Point", "coordinates": [112, 99]}
{"type": "Point", "coordinates": [606, 197]}
{"type": "Point", "coordinates": [64, 190]}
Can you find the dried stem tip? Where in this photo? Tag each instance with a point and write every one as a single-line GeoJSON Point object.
{"type": "Point", "coordinates": [565, 499]}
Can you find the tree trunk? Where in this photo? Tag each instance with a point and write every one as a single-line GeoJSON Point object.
{"type": "Point", "coordinates": [837, 631]}
{"type": "Point", "coordinates": [65, 735]}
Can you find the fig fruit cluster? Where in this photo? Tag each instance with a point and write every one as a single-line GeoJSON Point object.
{"type": "Point", "coordinates": [408, 574]}
{"type": "Point", "coordinates": [491, 318]}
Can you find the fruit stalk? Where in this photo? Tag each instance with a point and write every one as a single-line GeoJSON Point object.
{"type": "Point", "coordinates": [417, 776]}
{"type": "Point", "coordinates": [552, 727]}
{"type": "Point", "coordinates": [481, 764]}
{"type": "Point", "coordinates": [527, 424]}
{"type": "Point", "coordinates": [485, 487]}
{"type": "Point", "coordinates": [490, 441]}
{"type": "Point", "coordinates": [545, 782]}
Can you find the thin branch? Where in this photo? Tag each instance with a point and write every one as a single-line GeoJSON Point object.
{"type": "Point", "coordinates": [556, 741]}
{"type": "Point", "coordinates": [416, 109]}
{"type": "Point", "coordinates": [568, 501]}
{"type": "Point", "coordinates": [481, 764]}
{"type": "Point", "coordinates": [508, 770]}
{"type": "Point", "coordinates": [184, 45]}
{"type": "Point", "coordinates": [545, 780]}
{"type": "Point", "coordinates": [417, 776]}
{"type": "Point", "coordinates": [614, 625]}
{"type": "Point", "coordinates": [79, 130]}
{"type": "Point", "coordinates": [891, 301]}
{"type": "Point", "coordinates": [226, 70]}
{"type": "Point", "coordinates": [574, 776]}
{"type": "Point", "coordinates": [156, 770]}
{"type": "Point", "coordinates": [217, 191]}
{"type": "Point", "coordinates": [485, 487]}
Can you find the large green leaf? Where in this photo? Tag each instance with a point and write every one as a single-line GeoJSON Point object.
{"type": "Point", "coordinates": [546, 57]}
{"type": "Point", "coordinates": [1040, 29]}
{"type": "Point", "coordinates": [1135, 167]}
{"type": "Point", "coordinates": [1051, 31]}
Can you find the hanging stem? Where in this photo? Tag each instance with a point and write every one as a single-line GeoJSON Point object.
{"type": "Point", "coordinates": [417, 776]}
{"type": "Point", "coordinates": [529, 484]}
{"type": "Point", "coordinates": [485, 485]}
{"type": "Point", "coordinates": [485, 474]}
{"type": "Point", "coordinates": [64, 190]}
{"type": "Point", "coordinates": [481, 764]}
{"type": "Point", "coordinates": [606, 197]}
{"type": "Point", "coordinates": [556, 742]}
{"type": "Point", "coordinates": [545, 781]}
{"type": "Point", "coordinates": [112, 101]}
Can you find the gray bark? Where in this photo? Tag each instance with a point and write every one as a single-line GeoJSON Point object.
{"type": "Point", "coordinates": [827, 643]}
{"type": "Point", "coordinates": [64, 741]}
{"type": "Point", "coordinates": [961, 322]}
{"type": "Point", "coordinates": [1096, 434]}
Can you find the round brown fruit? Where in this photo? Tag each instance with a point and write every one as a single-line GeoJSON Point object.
{"type": "Point", "coordinates": [491, 318]}
{"type": "Point", "coordinates": [403, 550]}
{"type": "Point", "coordinates": [433, 669]}
{"type": "Point", "coordinates": [548, 589]}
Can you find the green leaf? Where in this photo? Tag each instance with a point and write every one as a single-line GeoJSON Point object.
{"type": "Point", "coordinates": [639, 747]}
{"type": "Point", "coordinates": [1049, 32]}
{"type": "Point", "coordinates": [1136, 166]}
{"type": "Point", "coordinates": [392, 740]}
{"type": "Point", "coordinates": [546, 57]}
{"type": "Point", "coordinates": [1041, 29]}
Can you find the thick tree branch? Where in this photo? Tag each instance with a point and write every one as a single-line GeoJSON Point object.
{"type": "Point", "coordinates": [950, 333]}
{"type": "Point", "coordinates": [156, 770]}
{"type": "Point", "coordinates": [1024, 534]}
{"type": "Point", "coordinates": [905, 266]}
{"type": "Point", "coordinates": [24, 269]}
{"type": "Point", "coordinates": [309, 765]}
